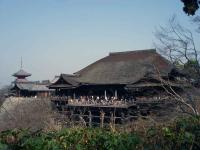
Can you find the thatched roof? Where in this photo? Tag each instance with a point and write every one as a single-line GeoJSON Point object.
{"type": "Point", "coordinates": [125, 68]}
{"type": "Point", "coordinates": [150, 84]}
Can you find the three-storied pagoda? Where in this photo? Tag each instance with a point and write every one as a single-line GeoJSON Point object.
{"type": "Point", "coordinates": [24, 88]}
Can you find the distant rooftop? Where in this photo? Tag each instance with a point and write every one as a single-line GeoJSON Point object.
{"type": "Point", "coordinates": [32, 87]}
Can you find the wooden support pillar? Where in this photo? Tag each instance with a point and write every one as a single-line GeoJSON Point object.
{"type": "Point", "coordinates": [74, 96]}
{"type": "Point", "coordinates": [111, 120]}
{"type": "Point", "coordinates": [90, 119]}
{"type": "Point", "coordinates": [122, 118]}
{"type": "Point", "coordinates": [81, 117]}
{"type": "Point", "coordinates": [71, 114]}
{"type": "Point", "coordinates": [62, 108]}
{"type": "Point", "coordinates": [128, 117]}
{"type": "Point", "coordinates": [72, 118]}
{"type": "Point", "coordinates": [102, 115]}
{"type": "Point", "coordinates": [116, 96]}
{"type": "Point", "coordinates": [105, 94]}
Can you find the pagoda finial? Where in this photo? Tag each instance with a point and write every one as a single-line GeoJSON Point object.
{"type": "Point", "coordinates": [21, 63]}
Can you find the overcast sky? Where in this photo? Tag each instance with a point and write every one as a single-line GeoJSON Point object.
{"type": "Point", "coordinates": [63, 36]}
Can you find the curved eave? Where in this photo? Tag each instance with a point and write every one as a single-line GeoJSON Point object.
{"type": "Point", "coordinates": [61, 86]}
{"type": "Point", "coordinates": [133, 86]}
{"type": "Point", "coordinates": [21, 73]}
{"type": "Point", "coordinates": [16, 75]}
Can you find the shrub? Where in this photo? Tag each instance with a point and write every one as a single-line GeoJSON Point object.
{"type": "Point", "coordinates": [183, 134]}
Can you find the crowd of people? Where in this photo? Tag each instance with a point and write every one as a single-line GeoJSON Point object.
{"type": "Point", "coordinates": [107, 100]}
{"type": "Point", "coordinates": [98, 100]}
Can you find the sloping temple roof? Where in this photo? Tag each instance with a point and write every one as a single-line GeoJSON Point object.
{"type": "Point", "coordinates": [32, 87]}
{"type": "Point", "coordinates": [119, 68]}
{"type": "Point", "coordinates": [66, 81]}
{"type": "Point", "coordinates": [125, 67]}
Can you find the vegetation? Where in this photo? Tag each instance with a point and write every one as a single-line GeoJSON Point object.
{"type": "Point", "coordinates": [32, 113]}
{"type": "Point", "coordinates": [177, 43]}
{"type": "Point", "coordinates": [3, 91]}
{"type": "Point", "coordinates": [190, 6]}
{"type": "Point", "coordinates": [182, 134]}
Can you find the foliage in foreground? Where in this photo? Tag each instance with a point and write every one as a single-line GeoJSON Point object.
{"type": "Point", "coordinates": [183, 134]}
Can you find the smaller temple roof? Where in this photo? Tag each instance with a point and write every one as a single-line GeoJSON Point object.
{"type": "Point", "coordinates": [21, 80]}
{"type": "Point", "coordinates": [21, 73]}
{"type": "Point", "coordinates": [71, 79]}
{"type": "Point", "coordinates": [40, 87]}
{"type": "Point", "coordinates": [66, 81]}
{"type": "Point", "coordinates": [55, 79]}
{"type": "Point", "coordinates": [32, 87]}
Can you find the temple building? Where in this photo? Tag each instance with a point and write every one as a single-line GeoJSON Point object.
{"type": "Point", "coordinates": [24, 88]}
{"type": "Point", "coordinates": [118, 88]}
{"type": "Point", "coordinates": [135, 74]}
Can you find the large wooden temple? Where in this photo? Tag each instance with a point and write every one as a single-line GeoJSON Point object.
{"type": "Point", "coordinates": [121, 74]}
{"type": "Point", "coordinates": [121, 80]}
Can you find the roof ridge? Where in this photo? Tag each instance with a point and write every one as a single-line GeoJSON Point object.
{"type": "Point", "coordinates": [77, 73]}
{"type": "Point", "coordinates": [132, 51]}
{"type": "Point", "coordinates": [114, 54]}
{"type": "Point", "coordinates": [68, 75]}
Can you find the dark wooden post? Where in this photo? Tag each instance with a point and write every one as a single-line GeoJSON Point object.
{"type": "Point", "coordinates": [71, 114]}
{"type": "Point", "coordinates": [63, 108]}
{"type": "Point", "coordinates": [122, 118]}
{"type": "Point", "coordinates": [111, 119]}
{"type": "Point", "coordinates": [128, 117]}
{"type": "Point", "coordinates": [71, 117]}
{"type": "Point", "coordinates": [102, 114]}
{"type": "Point", "coordinates": [82, 118]}
{"type": "Point", "coordinates": [90, 119]}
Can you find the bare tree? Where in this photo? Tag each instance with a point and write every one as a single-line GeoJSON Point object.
{"type": "Point", "coordinates": [196, 21]}
{"type": "Point", "coordinates": [3, 92]}
{"type": "Point", "coordinates": [186, 102]}
{"type": "Point", "coordinates": [177, 43]}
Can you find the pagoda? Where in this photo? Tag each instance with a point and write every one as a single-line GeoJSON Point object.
{"type": "Point", "coordinates": [24, 88]}
{"type": "Point", "coordinates": [21, 75]}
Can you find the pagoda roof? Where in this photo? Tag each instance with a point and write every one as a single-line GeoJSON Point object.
{"type": "Point", "coordinates": [21, 73]}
